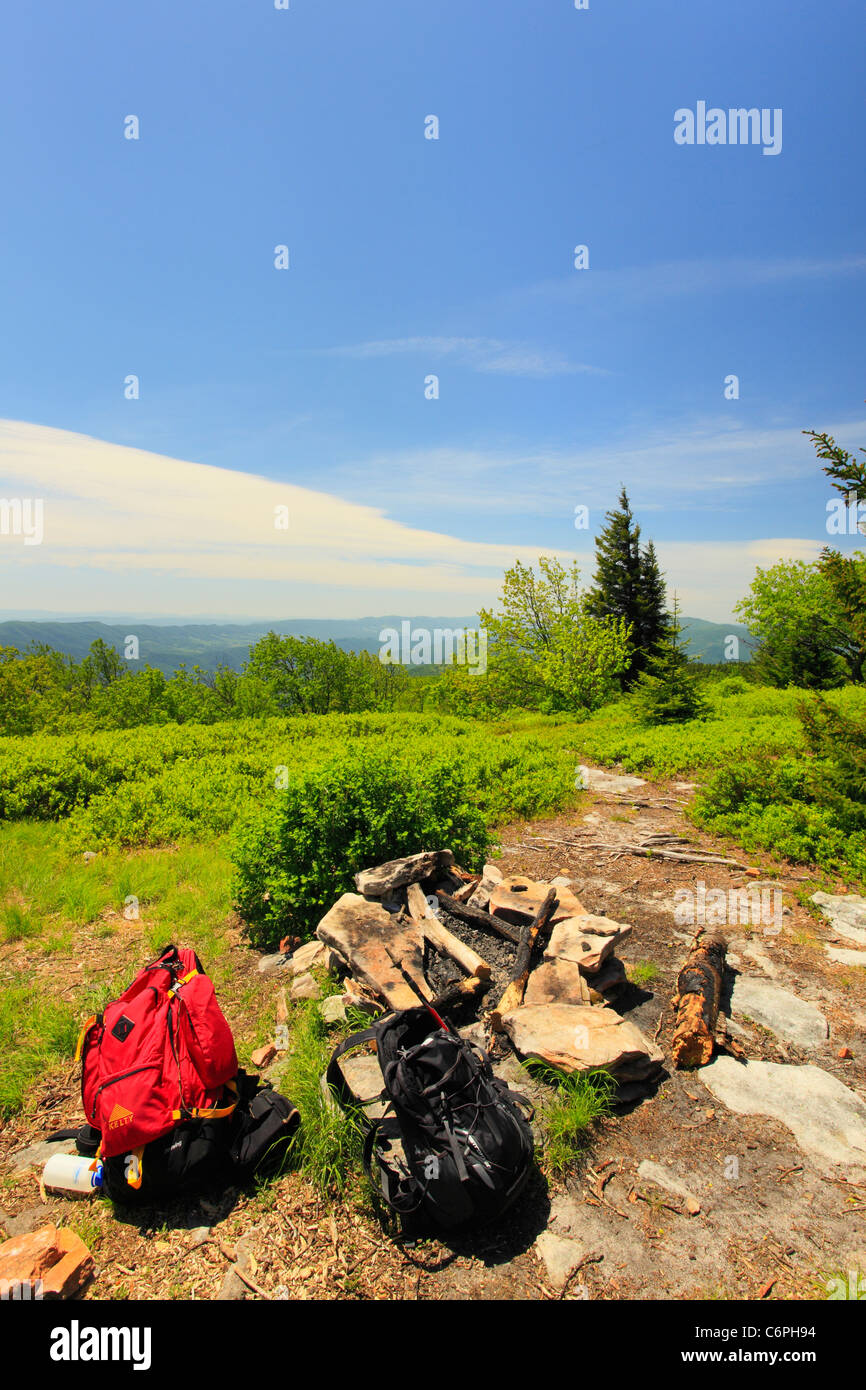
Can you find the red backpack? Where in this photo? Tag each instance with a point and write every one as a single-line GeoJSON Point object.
{"type": "Point", "coordinates": [160, 1054]}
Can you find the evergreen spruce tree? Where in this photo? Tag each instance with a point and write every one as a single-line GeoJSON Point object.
{"type": "Point", "coordinates": [667, 691]}
{"type": "Point", "coordinates": [629, 585]}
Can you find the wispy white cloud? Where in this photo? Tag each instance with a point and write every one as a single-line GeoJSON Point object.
{"type": "Point", "coordinates": [705, 465]}
{"type": "Point", "coordinates": [150, 531]}
{"type": "Point", "coordinates": [709, 577]}
{"type": "Point", "coordinates": [478, 354]}
{"type": "Point", "coordinates": [632, 286]}
{"type": "Point", "coordinates": [128, 529]}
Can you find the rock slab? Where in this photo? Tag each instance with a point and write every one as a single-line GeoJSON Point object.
{"type": "Point", "coordinates": [560, 1257]}
{"type": "Point", "coordinates": [586, 940]}
{"type": "Point", "coordinates": [360, 931]}
{"type": "Point", "coordinates": [579, 1037]}
{"type": "Point", "coordinates": [518, 898]}
{"type": "Point", "coordinates": [663, 1177]}
{"type": "Point", "coordinates": [363, 1076]}
{"type": "Point", "coordinates": [846, 912]}
{"type": "Point", "coordinates": [780, 1011]}
{"type": "Point", "coordinates": [490, 879]}
{"type": "Point", "coordinates": [557, 982]}
{"type": "Point", "coordinates": [827, 1119]}
{"type": "Point", "coordinates": [375, 883]}
{"type": "Point", "coordinates": [844, 957]}
{"type": "Point", "coordinates": [596, 779]}
{"type": "Point", "coordinates": [37, 1155]}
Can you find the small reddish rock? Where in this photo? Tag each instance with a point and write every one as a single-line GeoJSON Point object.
{"type": "Point", "coordinates": [263, 1056]}
{"type": "Point", "coordinates": [56, 1260]}
{"type": "Point", "coordinates": [844, 1052]}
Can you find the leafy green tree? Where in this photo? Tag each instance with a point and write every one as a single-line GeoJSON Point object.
{"type": "Point", "coordinates": [376, 685]}
{"type": "Point", "coordinates": [629, 586]}
{"type": "Point", "coordinates": [848, 473]}
{"type": "Point", "coordinates": [546, 650]}
{"type": "Point", "coordinates": [838, 743]}
{"type": "Point", "coordinates": [846, 575]}
{"type": "Point", "coordinates": [38, 691]}
{"type": "Point", "coordinates": [102, 665]}
{"type": "Point", "coordinates": [130, 700]}
{"type": "Point", "coordinates": [805, 635]}
{"type": "Point", "coordinates": [668, 691]}
{"type": "Point", "coordinates": [302, 675]}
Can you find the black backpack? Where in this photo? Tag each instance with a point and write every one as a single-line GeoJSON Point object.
{"type": "Point", "coordinates": [456, 1147]}
{"type": "Point", "coordinates": [198, 1154]}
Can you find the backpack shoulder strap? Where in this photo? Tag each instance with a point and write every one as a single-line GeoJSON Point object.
{"type": "Point", "coordinates": [402, 1191]}
{"type": "Point", "coordinates": [334, 1074]}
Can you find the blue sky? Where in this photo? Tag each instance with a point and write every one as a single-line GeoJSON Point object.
{"type": "Point", "coordinates": [410, 257]}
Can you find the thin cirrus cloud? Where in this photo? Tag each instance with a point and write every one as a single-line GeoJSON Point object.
{"type": "Point", "coordinates": [705, 465]}
{"type": "Point", "coordinates": [627, 287]}
{"type": "Point", "coordinates": [478, 354]}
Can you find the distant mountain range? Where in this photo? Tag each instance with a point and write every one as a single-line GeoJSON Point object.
{"type": "Point", "coordinates": [227, 644]}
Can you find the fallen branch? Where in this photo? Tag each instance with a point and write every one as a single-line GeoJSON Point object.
{"type": "Point", "coordinates": [477, 917]}
{"type": "Point", "coordinates": [229, 1255]}
{"type": "Point", "coordinates": [594, 1259]}
{"type": "Point", "coordinates": [661, 1020]}
{"type": "Point", "coordinates": [647, 852]}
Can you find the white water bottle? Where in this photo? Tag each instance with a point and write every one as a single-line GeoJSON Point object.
{"type": "Point", "coordinates": [70, 1173]}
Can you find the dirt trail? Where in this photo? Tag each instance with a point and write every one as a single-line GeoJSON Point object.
{"type": "Point", "coordinates": [773, 1220]}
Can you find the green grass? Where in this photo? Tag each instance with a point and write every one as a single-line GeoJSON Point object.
{"type": "Point", "coordinates": [581, 1099]}
{"type": "Point", "coordinates": [46, 889]}
{"type": "Point", "coordinates": [35, 1034]}
{"type": "Point", "coordinates": [642, 972]}
{"type": "Point", "coordinates": [49, 897]}
{"type": "Point", "coordinates": [16, 923]}
{"type": "Point", "coordinates": [327, 1148]}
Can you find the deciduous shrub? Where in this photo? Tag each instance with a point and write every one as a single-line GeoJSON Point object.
{"type": "Point", "coordinates": [300, 852]}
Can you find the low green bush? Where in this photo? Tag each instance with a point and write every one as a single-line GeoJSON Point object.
{"type": "Point", "coordinates": [785, 805]}
{"type": "Point", "coordinates": [301, 851]}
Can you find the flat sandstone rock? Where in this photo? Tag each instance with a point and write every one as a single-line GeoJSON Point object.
{"type": "Point", "coordinates": [587, 940]}
{"type": "Point", "coordinates": [517, 898]}
{"type": "Point", "coordinates": [56, 1262]}
{"type": "Point", "coordinates": [557, 982]}
{"type": "Point", "coordinates": [360, 930]}
{"type": "Point", "coordinates": [490, 879]}
{"type": "Point", "coordinates": [579, 1037]}
{"type": "Point", "coordinates": [776, 1008]}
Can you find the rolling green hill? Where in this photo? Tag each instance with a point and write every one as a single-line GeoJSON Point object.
{"type": "Point", "coordinates": [214, 644]}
